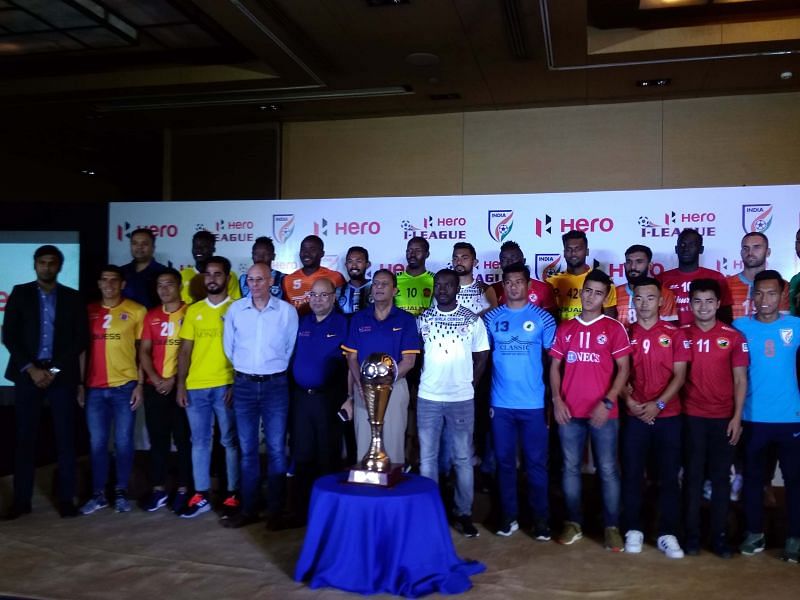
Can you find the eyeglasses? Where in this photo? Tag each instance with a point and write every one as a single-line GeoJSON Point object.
{"type": "Point", "coordinates": [252, 280]}
{"type": "Point", "coordinates": [323, 295]}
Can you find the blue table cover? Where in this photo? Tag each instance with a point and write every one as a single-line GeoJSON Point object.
{"type": "Point", "coordinates": [368, 539]}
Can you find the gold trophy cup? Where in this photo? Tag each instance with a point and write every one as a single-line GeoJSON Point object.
{"type": "Point", "coordinates": [378, 373]}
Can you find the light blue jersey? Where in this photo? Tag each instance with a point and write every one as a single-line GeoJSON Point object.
{"type": "Point", "coordinates": [772, 394]}
{"type": "Point", "coordinates": [519, 336]}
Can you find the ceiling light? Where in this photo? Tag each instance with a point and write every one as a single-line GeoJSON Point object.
{"type": "Point", "coordinates": [787, 75]}
{"type": "Point", "coordinates": [663, 82]}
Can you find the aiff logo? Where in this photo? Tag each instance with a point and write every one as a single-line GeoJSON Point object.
{"type": "Point", "coordinates": [500, 224]}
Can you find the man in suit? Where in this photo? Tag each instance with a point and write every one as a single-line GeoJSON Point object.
{"type": "Point", "coordinates": [45, 333]}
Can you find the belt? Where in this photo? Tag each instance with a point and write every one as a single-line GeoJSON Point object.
{"type": "Point", "coordinates": [250, 377]}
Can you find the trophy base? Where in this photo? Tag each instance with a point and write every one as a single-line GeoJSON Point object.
{"type": "Point", "coordinates": [385, 479]}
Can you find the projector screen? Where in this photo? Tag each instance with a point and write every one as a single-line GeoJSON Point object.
{"type": "Point", "coordinates": [16, 256]}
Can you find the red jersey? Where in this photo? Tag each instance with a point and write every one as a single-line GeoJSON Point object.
{"type": "Point", "coordinates": [162, 329]}
{"type": "Point", "coordinates": [678, 282]}
{"type": "Point", "coordinates": [297, 285]}
{"type": "Point", "coordinates": [626, 313]}
{"type": "Point", "coordinates": [709, 384]}
{"type": "Point", "coordinates": [655, 351]}
{"type": "Point", "coordinates": [539, 294]}
{"type": "Point", "coordinates": [741, 288]}
{"type": "Point", "coordinates": [112, 350]}
{"type": "Point", "coordinates": [589, 351]}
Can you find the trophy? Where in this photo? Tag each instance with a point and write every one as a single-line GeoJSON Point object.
{"type": "Point", "coordinates": [378, 373]}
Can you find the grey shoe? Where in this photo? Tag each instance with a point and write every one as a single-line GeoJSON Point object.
{"type": "Point", "coordinates": [121, 502]}
{"type": "Point", "coordinates": [95, 503]}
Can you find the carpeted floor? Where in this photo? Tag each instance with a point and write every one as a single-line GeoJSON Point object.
{"type": "Point", "coordinates": [156, 555]}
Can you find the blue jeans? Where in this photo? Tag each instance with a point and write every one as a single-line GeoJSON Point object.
{"type": "Point", "coordinates": [266, 401]}
{"type": "Point", "coordinates": [604, 445]}
{"type": "Point", "coordinates": [104, 406]}
{"type": "Point", "coordinates": [203, 405]}
{"type": "Point", "coordinates": [450, 424]}
{"type": "Point", "coordinates": [526, 427]}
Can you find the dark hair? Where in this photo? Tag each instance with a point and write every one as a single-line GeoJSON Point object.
{"type": "Point", "coordinates": [264, 241]}
{"type": "Point", "coordinates": [643, 281]}
{"type": "Point", "coordinates": [574, 234]}
{"type": "Point", "coordinates": [517, 268]}
{"type": "Point", "coordinates": [220, 260]}
{"type": "Point", "coordinates": [314, 238]}
{"type": "Point", "coordinates": [145, 231]}
{"type": "Point", "coordinates": [205, 235]}
{"type": "Point", "coordinates": [640, 248]}
{"type": "Point", "coordinates": [465, 246]}
{"type": "Point", "coordinates": [386, 272]}
{"type": "Point", "coordinates": [759, 234]}
{"type": "Point", "coordinates": [173, 272]}
{"type": "Point", "coordinates": [421, 240]}
{"type": "Point", "coordinates": [111, 269]}
{"type": "Point", "coordinates": [509, 245]}
{"type": "Point", "coordinates": [769, 275]}
{"type": "Point", "coordinates": [357, 249]}
{"type": "Point", "coordinates": [49, 250]}
{"type": "Point", "coordinates": [705, 285]}
{"type": "Point", "coordinates": [688, 231]}
{"type": "Point", "coordinates": [446, 273]}
{"type": "Point", "coordinates": [600, 277]}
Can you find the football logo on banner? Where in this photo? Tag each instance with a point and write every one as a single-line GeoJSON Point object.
{"type": "Point", "coordinates": [500, 224]}
{"type": "Point", "coordinates": [756, 217]}
{"type": "Point", "coordinates": [282, 227]}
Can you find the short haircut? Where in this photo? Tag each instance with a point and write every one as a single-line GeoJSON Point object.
{"type": "Point", "coordinates": [357, 249]}
{"type": "Point", "coordinates": [172, 272]}
{"type": "Point", "coordinates": [314, 238]}
{"type": "Point", "coordinates": [705, 285]}
{"type": "Point", "coordinates": [640, 248]}
{"type": "Point", "coordinates": [49, 250]}
{"type": "Point", "coordinates": [144, 231]}
{"type": "Point", "coordinates": [421, 240]}
{"type": "Point", "coordinates": [264, 241]}
{"type": "Point", "coordinates": [510, 245]}
{"type": "Point", "coordinates": [446, 273]}
{"type": "Point", "coordinates": [574, 234]}
{"type": "Point", "coordinates": [220, 260]}
{"type": "Point", "coordinates": [643, 281]}
{"type": "Point", "coordinates": [465, 246]}
{"type": "Point", "coordinates": [517, 268]}
{"type": "Point", "coordinates": [690, 231]}
{"type": "Point", "coordinates": [600, 277]}
{"type": "Point", "coordinates": [758, 234]}
{"type": "Point", "coordinates": [386, 272]}
{"type": "Point", "coordinates": [768, 275]}
{"type": "Point", "coordinates": [111, 269]}
{"type": "Point", "coordinates": [205, 235]}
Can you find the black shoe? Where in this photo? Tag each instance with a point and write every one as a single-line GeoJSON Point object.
{"type": "Point", "coordinates": [541, 531]}
{"type": "Point", "coordinates": [16, 512]}
{"type": "Point", "coordinates": [692, 547]}
{"type": "Point", "coordinates": [67, 510]}
{"type": "Point", "coordinates": [721, 547]}
{"type": "Point", "coordinates": [238, 520]}
{"type": "Point", "coordinates": [465, 526]}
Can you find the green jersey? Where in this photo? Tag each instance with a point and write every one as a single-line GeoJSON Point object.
{"type": "Point", "coordinates": [415, 292]}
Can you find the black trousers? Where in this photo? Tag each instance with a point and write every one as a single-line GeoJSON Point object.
{"type": "Point", "coordinates": [167, 421]}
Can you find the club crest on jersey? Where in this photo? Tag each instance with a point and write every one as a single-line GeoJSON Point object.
{"type": "Point", "coordinates": [602, 339]}
{"type": "Point", "coordinates": [786, 336]}
{"type": "Point", "coordinates": [664, 341]}
{"type": "Point", "coordinates": [687, 344]}
{"type": "Point", "coordinates": [124, 316]}
{"type": "Point", "coordinates": [426, 292]}
{"type": "Point", "coordinates": [723, 342]}
{"type": "Point", "coordinates": [528, 325]}
{"type": "Point", "coordinates": [533, 298]}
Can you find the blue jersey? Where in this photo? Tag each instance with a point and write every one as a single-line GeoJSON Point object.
{"type": "Point", "coordinates": [772, 394]}
{"type": "Point", "coordinates": [519, 337]}
{"type": "Point", "coordinates": [352, 298]}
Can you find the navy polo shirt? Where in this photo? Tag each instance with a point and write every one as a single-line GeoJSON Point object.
{"type": "Point", "coordinates": [318, 352]}
{"type": "Point", "coordinates": [395, 335]}
{"type": "Point", "coordinates": [140, 286]}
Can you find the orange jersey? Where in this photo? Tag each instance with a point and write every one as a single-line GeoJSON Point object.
{"type": "Point", "coordinates": [112, 349]}
{"type": "Point", "coordinates": [626, 313]}
{"type": "Point", "coordinates": [741, 288]}
{"type": "Point", "coordinates": [297, 285]}
{"type": "Point", "coordinates": [162, 329]}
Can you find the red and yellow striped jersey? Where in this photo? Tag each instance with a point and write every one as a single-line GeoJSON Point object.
{"type": "Point", "coordinates": [741, 289]}
{"type": "Point", "coordinates": [162, 329]}
{"type": "Point", "coordinates": [112, 350]}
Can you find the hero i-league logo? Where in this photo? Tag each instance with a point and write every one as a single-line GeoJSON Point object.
{"type": "Point", "coordinates": [436, 228]}
{"type": "Point", "coordinates": [674, 223]}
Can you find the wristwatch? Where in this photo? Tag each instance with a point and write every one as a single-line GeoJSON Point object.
{"type": "Point", "coordinates": [608, 404]}
{"type": "Point", "coordinates": [661, 405]}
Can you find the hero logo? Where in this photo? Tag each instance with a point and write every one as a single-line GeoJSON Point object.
{"type": "Point", "coordinates": [674, 223]}
{"type": "Point", "coordinates": [348, 228]}
{"type": "Point", "coordinates": [3, 300]}
{"type": "Point", "coordinates": [756, 218]}
{"type": "Point", "coordinates": [234, 231]}
{"type": "Point", "coordinates": [159, 231]}
{"type": "Point", "coordinates": [587, 225]}
{"type": "Point", "coordinates": [439, 228]}
{"type": "Point", "coordinates": [543, 226]}
{"type": "Point", "coordinates": [500, 224]}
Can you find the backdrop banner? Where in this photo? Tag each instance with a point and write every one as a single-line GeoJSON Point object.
{"type": "Point", "coordinates": [612, 221]}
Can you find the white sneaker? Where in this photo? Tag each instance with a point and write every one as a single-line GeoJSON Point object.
{"type": "Point", "coordinates": [669, 545]}
{"type": "Point", "coordinates": [736, 487]}
{"type": "Point", "coordinates": [633, 541]}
